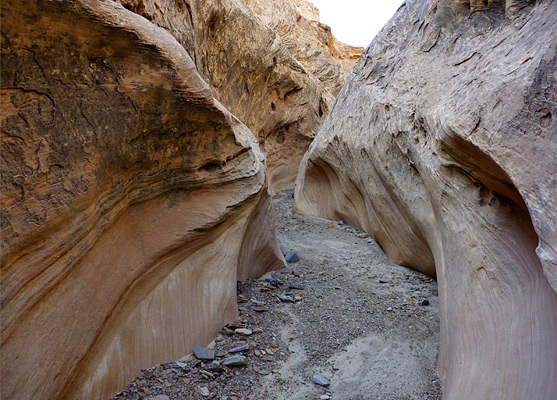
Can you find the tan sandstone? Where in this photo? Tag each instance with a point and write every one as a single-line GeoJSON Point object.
{"type": "Point", "coordinates": [442, 146]}
{"type": "Point", "coordinates": [132, 201]}
{"type": "Point", "coordinates": [271, 63]}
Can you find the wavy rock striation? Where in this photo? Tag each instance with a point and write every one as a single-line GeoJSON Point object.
{"type": "Point", "coordinates": [269, 64]}
{"type": "Point", "coordinates": [442, 146]}
{"type": "Point", "coordinates": [132, 201]}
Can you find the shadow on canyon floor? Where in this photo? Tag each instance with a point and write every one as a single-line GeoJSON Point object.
{"type": "Point", "coordinates": [368, 326]}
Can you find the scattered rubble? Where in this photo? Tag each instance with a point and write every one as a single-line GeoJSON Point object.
{"type": "Point", "coordinates": [349, 292]}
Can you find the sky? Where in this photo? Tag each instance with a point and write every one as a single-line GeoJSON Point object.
{"type": "Point", "coordinates": [356, 22]}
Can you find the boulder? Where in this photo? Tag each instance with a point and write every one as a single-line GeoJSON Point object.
{"type": "Point", "coordinates": [132, 201]}
{"type": "Point", "coordinates": [441, 146]}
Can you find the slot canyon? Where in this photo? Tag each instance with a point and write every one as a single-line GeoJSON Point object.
{"type": "Point", "coordinates": [217, 199]}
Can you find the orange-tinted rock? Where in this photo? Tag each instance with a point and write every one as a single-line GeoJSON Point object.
{"type": "Point", "coordinates": [274, 68]}
{"type": "Point", "coordinates": [132, 201]}
{"type": "Point", "coordinates": [441, 146]}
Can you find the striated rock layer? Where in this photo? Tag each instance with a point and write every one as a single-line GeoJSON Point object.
{"type": "Point", "coordinates": [442, 146]}
{"type": "Point", "coordinates": [269, 64]}
{"type": "Point", "coordinates": [132, 201]}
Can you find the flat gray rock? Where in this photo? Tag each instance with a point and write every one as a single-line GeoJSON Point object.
{"type": "Point", "coordinates": [203, 353]}
{"type": "Point", "coordinates": [286, 299]}
{"type": "Point", "coordinates": [235, 361]}
{"type": "Point", "coordinates": [238, 349]}
{"type": "Point", "coordinates": [320, 380]}
{"type": "Point", "coordinates": [295, 287]}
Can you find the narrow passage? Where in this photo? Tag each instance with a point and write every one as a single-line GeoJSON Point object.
{"type": "Point", "coordinates": [369, 327]}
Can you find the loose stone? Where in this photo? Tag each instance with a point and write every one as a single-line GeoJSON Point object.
{"type": "Point", "coordinates": [243, 331]}
{"type": "Point", "coordinates": [320, 380]}
{"type": "Point", "coordinates": [291, 257]}
{"type": "Point", "coordinates": [238, 349]}
{"type": "Point", "coordinates": [274, 282]}
{"type": "Point", "coordinates": [286, 299]}
{"type": "Point", "coordinates": [206, 374]}
{"type": "Point", "coordinates": [203, 353]}
{"type": "Point", "coordinates": [214, 366]}
{"type": "Point", "coordinates": [235, 361]}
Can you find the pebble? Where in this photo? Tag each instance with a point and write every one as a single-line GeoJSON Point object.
{"type": "Point", "coordinates": [389, 309]}
{"type": "Point", "coordinates": [297, 297]}
{"type": "Point", "coordinates": [235, 361]}
{"type": "Point", "coordinates": [206, 374]}
{"type": "Point", "coordinates": [260, 309]}
{"type": "Point", "coordinates": [370, 240]}
{"type": "Point", "coordinates": [293, 286]}
{"type": "Point", "coordinates": [161, 397]}
{"type": "Point", "coordinates": [291, 257]}
{"type": "Point", "coordinates": [324, 397]}
{"type": "Point", "coordinates": [204, 392]}
{"type": "Point", "coordinates": [286, 299]}
{"type": "Point", "coordinates": [290, 194]}
{"type": "Point", "coordinates": [274, 282]}
{"type": "Point", "coordinates": [238, 349]}
{"type": "Point", "coordinates": [214, 366]}
{"type": "Point", "coordinates": [320, 380]}
{"type": "Point", "coordinates": [362, 235]}
{"type": "Point", "coordinates": [243, 331]}
{"type": "Point", "coordinates": [181, 364]}
{"type": "Point", "coordinates": [203, 353]}
{"type": "Point", "coordinates": [227, 331]}
{"type": "Point", "coordinates": [425, 302]}
{"type": "Point", "coordinates": [261, 371]}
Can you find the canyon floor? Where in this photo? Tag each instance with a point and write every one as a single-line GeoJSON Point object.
{"type": "Point", "coordinates": [369, 327]}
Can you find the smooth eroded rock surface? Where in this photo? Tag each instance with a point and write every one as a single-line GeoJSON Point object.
{"type": "Point", "coordinates": [132, 201]}
{"type": "Point", "coordinates": [269, 62]}
{"type": "Point", "coordinates": [442, 147]}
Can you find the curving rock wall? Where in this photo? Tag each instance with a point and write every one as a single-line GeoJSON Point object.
{"type": "Point", "coordinates": [442, 146]}
{"type": "Point", "coordinates": [132, 201]}
{"type": "Point", "coordinates": [266, 62]}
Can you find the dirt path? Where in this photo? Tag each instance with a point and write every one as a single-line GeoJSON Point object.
{"type": "Point", "coordinates": [366, 325]}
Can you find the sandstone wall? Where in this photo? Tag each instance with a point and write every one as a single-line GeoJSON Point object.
{"type": "Point", "coordinates": [442, 146]}
{"type": "Point", "coordinates": [132, 201]}
{"type": "Point", "coordinates": [266, 63]}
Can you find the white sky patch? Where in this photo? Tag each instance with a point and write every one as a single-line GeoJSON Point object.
{"type": "Point", "coordinates": [356, 22]}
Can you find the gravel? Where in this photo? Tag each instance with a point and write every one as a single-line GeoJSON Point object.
{"type": "Point", "coordinates": [367, 337]}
